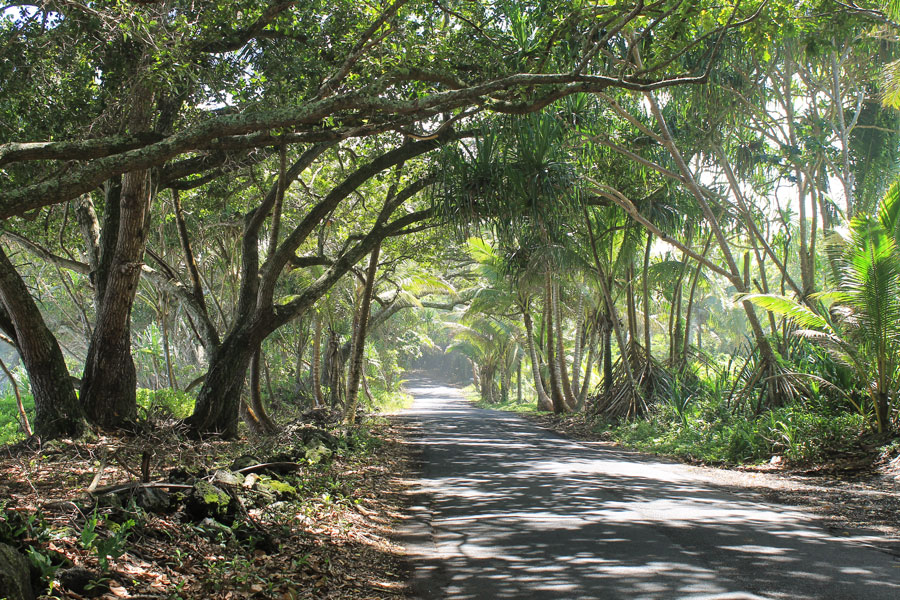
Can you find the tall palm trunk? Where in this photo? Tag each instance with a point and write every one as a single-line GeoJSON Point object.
{"type": "Point", "coordinates": [556, 391]}
{"type": "Point", "coordinates": [604, 282]}
{"type": "Point", "coordinates": [580, 335]}
{"type": "Point", "coordinates": [563, 371]}
{"type": "Point", "coordinates": [543, 400]}
{"type": "Point", "coordinates": [690, 306]}
{"type": "Point", "coordinates": [767, 354]}
{"type": "Point", "coordinates": [607, 359]}
{"type": "Point", "coordinates": [589, 368]}
{"type": "Point", "coordinates": [645, 283]}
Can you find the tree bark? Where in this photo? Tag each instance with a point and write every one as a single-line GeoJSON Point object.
{"type": "Point", "coordinates": [110, 381]}
{"type": "Point", "coordinates": [217, 406]}
{"type": "Point", "coordinates": [317, 364]}
{"type": "Point", "coordinates": [563, 374]}
{"type": "Point", "coordinates": [556, 391]}
{"type": "Point", "coordinates": [543, 400]}
{"type": "Point", "coordinates": [257, 418]}
{"type": "Point", "coordinates": [359, 337]}
{"type": "Point", "coordinates": [56, 409]}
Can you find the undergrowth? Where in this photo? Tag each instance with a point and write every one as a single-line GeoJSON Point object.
{"type": "Point", "coordinates": [799, 433]}
{"type": "Point", "coordinates": [511, 404]}
{"type": "Point", "coordinates": [10, 429]}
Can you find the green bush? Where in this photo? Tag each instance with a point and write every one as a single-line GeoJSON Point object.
{"type": "Point", "coordinates": [387, 401]}
{"type": "Point", "coordinates": [703, 431]}
{"type": "Point", "coordinates": [10, 430]}
{"type": "Point", "coordinates": [165, 402]}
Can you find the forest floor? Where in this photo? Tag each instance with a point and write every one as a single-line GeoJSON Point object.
{"type": "Point", "coordinates": [847, 493]}
{"type": "Point", "coordinates": [308, 513]}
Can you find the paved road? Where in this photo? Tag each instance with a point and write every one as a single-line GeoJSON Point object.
{"type": "Point", "coordinates": [510, 510]}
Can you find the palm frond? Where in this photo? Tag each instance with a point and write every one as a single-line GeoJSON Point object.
{"type": "Point", "coordinates": [796, 312]}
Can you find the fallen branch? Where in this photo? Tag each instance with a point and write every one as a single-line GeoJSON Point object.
{"type": "Point", "coordinates": [112, 489]}
{"type": "Point", "coordinates": [276, 466]}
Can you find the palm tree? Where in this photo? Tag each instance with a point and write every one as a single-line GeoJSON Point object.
{"type": "Point", "coordinates": [861, 327]}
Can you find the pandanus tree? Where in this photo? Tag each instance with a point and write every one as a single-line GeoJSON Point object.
{"type": "Point", "coordinates": [492, 345]}
{"type": "Point", "coordinates": [518, 183]}
{"type": "Point", "coordinates": [509, 285]}
{"type": "Point", "coordinates": [860, 325]}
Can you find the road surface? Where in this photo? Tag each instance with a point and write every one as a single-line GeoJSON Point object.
{"type": "Point", "coordinates": [506, 509]}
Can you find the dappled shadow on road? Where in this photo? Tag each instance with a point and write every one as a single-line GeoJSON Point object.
{"type": "Point", "coordinates": [518, 512]}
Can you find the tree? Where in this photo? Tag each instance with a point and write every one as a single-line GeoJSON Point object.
{"type": "Point", "coordinates": [862, 324]}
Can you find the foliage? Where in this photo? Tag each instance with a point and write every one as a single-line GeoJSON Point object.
{"type": "Point", "coordinates": [109, 546]}
{"type": "Point", "coordinates": [165, 403]}
{"type": "Point", "coordinates": [10, 429]}
{"type": "Point", "coordinates": [701, 430]}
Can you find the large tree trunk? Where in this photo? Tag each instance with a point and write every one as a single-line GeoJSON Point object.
{"type": "Point", "coordinates": [217, 408]}
{"type": "Point", "coordinates": [256, 416]}
{"type": "Point", "coordinates": [359, 338]}
{"type": "Point", "coordinates": [543, 400]}
{"type": "Point", "coordinates": [57, 412]}
{"type": "Point", "coordinates": [109, 384]}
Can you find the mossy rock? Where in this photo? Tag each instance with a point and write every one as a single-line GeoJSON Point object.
{"type": "Point", "coordinates": [312, 436]}
{"type": "Point", "coordinates": [208, 501]}
{"type": "Point", "coordinates": [317, 451]}
{"type": "Point", "coordinates": [15, 575]}
{"type": "Point", "coordinates": [281, 488]}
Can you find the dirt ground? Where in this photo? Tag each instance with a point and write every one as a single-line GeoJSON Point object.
{"type": "Point", "coordinates": [331, 536]}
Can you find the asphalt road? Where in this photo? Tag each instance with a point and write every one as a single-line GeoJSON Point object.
{"type": "Point", "coordinates": [507, 509]}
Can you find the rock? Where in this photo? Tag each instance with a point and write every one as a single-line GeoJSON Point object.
{"type": "Point", "coordinates": [181, 475]}
{"type": "Point", "coordinates": [250, 480]}
{"type": "Point", "coordinates": [213, 528]}
{"type": "Point", "coordinates": [15, 575]}
{"type": "Point", "coordinates": [206, 500]}
{"type": "Point", "coordinates": [281, 488]}
{"type": "Point", "coordinates": [244, 461]}
{"type": "Point", "coordinates": [311, 435]}
{"type": "Point", "coordinates": [152, 500]}
{"type": "Point", "coordinates": [83, 582]}
{"type": "Point", "coordinates": [228, 477]}
{"type": "Point", "coordinates": [322, 416]}
{"type": "Point", "coordinates": [317, 451]}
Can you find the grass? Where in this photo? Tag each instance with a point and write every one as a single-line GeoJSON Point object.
{"type": "Point", "coordinates": [10, 430]}
{"type": "Point", "coordinates": [799, 433]}
{"type": "Point", "coordinates": [389, 402]}
{"type": "Point", "coordinates": [511, 404]}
